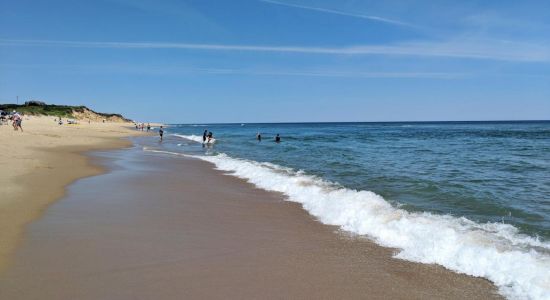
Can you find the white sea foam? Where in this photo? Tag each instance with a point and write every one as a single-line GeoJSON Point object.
{"type": "Point", "coordinates": [147, 149]}
{"type": "Point", "coordinates": [518, 264]}
{"type": "Point", "coordinates": [192, 137]}
{"type": "Point", "coordinates": [196, 138]}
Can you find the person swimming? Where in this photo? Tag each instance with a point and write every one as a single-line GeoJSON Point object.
{"type": "Point", "coordinates": [259, 137]}
{"type": "Point", "coordinates": [277, 139]}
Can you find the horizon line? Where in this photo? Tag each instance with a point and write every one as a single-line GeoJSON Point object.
{"type": "Point", "coordinates": [351, 122]}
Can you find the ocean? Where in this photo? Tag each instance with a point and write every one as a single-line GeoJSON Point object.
{"type": "Point", "coordinates": [473, 197]}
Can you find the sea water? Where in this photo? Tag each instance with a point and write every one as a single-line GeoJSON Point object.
{"type": "Point", "coordinates": [473, 197]}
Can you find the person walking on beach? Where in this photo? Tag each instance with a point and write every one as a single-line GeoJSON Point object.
{"type": "Point", "coordinates": [17, 119]}
{"type": "Point", "coordinates": [18, 124]}
{"type": "Point", "coordinates": [13, 118]}
{"type": "Point", "coordinates": [277, 139]}
{"type": "Point", "coordinates": [161, 133]}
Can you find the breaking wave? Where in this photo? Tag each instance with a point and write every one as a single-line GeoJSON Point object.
{"type": "Point", "coordinates": [518, 264]}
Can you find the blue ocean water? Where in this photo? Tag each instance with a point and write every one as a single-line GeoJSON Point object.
{"type": "Point", "coordinates": [485, 171]}
{"type": "Point", "coordinates": [473, 197]}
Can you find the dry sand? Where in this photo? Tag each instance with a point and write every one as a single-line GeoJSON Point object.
{"type": "Point", "coordinates": [36, 165]}
{"type": "Point", "coordinates": [173, 228]}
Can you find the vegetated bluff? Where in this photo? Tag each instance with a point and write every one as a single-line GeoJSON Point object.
{"type": "Point", "coordinates": [37, 108]}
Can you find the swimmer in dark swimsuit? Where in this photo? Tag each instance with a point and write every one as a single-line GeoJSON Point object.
{"type": "Point", "coordinates": [209, 136]}
{"type": "Point", "coordinates": [277, 139]}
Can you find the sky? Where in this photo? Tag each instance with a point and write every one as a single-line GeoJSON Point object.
{"type": "Point", "coordinates": [204, 61]}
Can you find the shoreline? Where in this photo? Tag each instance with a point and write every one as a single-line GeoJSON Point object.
{"type": "Point", "coordinates": [39, 163]}
{"type": "Point", "coordinates": [168, 227]}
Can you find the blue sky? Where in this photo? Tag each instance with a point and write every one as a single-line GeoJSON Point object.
{"type": "Point", "coordinates": [281, 60]}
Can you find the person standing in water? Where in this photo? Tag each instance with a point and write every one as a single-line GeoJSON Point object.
{"type": "Point", "coordinates": [161, 133]}
{"type": "Point", "coordinates": [205, 133]}
{"type": "Point", "coordinates": [210, 135]}
{"type": "Point", "coordinates": [277, 139]}
{"type": "Point", "coordinates": [259, 137]}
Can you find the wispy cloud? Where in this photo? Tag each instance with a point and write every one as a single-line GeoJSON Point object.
{"type": "Point", "coordinates": [160, 70]}
{"type": "Point", "coordinates": [471, 49]}
{"type": "Point", "coordinates": [341, 13]}
{"type": "Point", "coordinates": [343, 74]}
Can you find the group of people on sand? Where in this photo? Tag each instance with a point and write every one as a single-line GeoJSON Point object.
{"type": "Point", "coordinates": [15, 118]}
{"type": "Point", "coordinates": [147, 127]}
{"type": "Point", "coordinates": [142, 126]}
{"type": "Point", "coordinates": [277, 138]}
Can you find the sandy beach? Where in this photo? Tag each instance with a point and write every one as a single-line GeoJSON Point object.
{"type": "Point", "coordinates": [38, 163]}
{"type": "Point", "coordinates": [169, 228]}
{"type": "Point", "coordinates": [312, 150]}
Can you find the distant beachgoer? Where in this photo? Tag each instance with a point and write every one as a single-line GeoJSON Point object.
{"type": "Point", "coordinates": [277, 138]}
{"type": "Point", "coordinates": [12, 118]}
{"type": "Point", "coordinates": [17, 119]}
{"type": "Point", "coordinates": [205, 133]}
{"type": "Point", "coordinates": [18, 124]}
{"type": "Point", "coordinates": [148, 127]}
{"type": "Point", "coordinates": [259, 137]}
{"type": "Point", "coordinates": [210, 135]}
{"type": "Point", "coordinates": [161, 133]}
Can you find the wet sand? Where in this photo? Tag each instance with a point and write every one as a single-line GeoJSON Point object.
{"type": "Point", "coordinates": [37, 164]}
{"type": "Point", "coordinates": [163, 227]}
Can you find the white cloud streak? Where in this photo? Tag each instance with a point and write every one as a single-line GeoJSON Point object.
{"type": "Point", "coordinates": [470, 49]}
{"type": "Point", "coordinates": [156, 70]}
{"type": "Point", "coordinates": [432, 75]}
{"type": "Point", "coordinates": [341, 13]}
